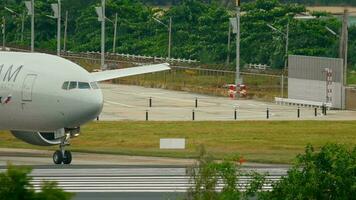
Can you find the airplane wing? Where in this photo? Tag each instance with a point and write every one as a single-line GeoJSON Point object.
{"type": "Point", "coordinates": [119, 73]}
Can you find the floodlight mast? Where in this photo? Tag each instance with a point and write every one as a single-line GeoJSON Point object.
{"type": "Point", "coordinates": [30, 5]}
{"type": "Point", "coordinates": [22, 20]}
{"type": "Point", "coordinates": [3, 32]}
{"type": "Point", "coordinates": [65, 33]}
{"type": "Point", "coordinates": [169, 27]}
{"type": "Point", "coordinates": [32, 25]}
{"type": "Point", "coordinates": [114, 23]}
{"type": "Point", "coordinates": [59, 29]}
{"type": "Point", "coordinates": [115, 33]}
{"type": "Point", "coordinates": [103, 67]}
{"type": "Point", "coordinates": [238, 80]}
{"type": "Point", "coordinates": [286, 35]}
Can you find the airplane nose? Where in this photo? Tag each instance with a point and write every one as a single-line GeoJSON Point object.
{"type": "Point", "coordinates": [92, 107]}
{"type": "Point", "coordinates": [96, 105]}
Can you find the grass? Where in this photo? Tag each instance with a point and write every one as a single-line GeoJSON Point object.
{"type": "Point", "coordinates": [260, 87]}
{"type": "Point", "coordinates": [256, 141]}
{"type": "Point", "coordinates": [351, 79]}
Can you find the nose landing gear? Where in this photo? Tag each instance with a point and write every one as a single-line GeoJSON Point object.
{"type": "Point", "coordinates": [62, 155]}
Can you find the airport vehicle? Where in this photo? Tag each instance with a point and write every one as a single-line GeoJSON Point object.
{"type": "Point", "coordinates": [45, 99]}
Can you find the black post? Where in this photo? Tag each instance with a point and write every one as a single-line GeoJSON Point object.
{"type": "Point", "coordinates": [150, 102]}
{"type": "Point", "coordinates": [267, 113]}
{"type": "Point", "coordinates": [325, 109]}
{"type": "Point", "coordinates": [316, 111]}
{"type": "Point", "coordinates": [97, 118]}
{"type": "Point", "coordinates": [298, 111]}
{"type": "Point", "coordinates": [235, 114]}
{"type": "Point", "coordinates": [146, 115]}
{"type": "Point", "coordinates": [196, 102]}
{"type": "Point", "coordinates": [193, 115]}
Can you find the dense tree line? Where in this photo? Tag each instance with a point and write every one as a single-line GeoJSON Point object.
{"type": "Point", "coordinates": [200, 30]}
{"type": "Point", "coordinates": [232, 2]}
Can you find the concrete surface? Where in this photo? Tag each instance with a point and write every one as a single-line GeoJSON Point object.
{"type": "Point", "coordinates": [123, 102]}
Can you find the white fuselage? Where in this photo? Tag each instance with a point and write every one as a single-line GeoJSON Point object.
{"type": "Point", "coordinates": [32, 98]}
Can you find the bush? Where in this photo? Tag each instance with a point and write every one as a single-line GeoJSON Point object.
{"type": "Point", "coordinates": [327, 174]}
{"type": "Point", "coordinates": [15, 185]}
{"type": "Point", "coordinates": [206, 175]}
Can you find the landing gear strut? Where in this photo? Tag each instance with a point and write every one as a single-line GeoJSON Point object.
{"type": "Point", "coordinates": [62, 155]}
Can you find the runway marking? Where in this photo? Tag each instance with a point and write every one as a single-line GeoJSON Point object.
{"type": "Point", "coordinates": [131, 179]}
{"type": "Point", "coordinates": [121, 104]}
{"type": "Point", "coordinates": [169, 98]}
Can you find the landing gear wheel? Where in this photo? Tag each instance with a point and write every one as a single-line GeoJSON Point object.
{"type": "Point", "coordinates": [67, 159]}
{"type": "Point", "coordinates": [57, 157]}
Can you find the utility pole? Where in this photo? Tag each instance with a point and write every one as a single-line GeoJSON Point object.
{"type": "Point", "coordinates": [32, 25]}
{"type": "Point", "coordinates": [30, 5]}
{"type": "Point", "coordinates": [115, 33]}
{"type": "Point", "coordinates": [170, 38]}
{"type": "Point", "coordinates": [287, 46]}
{"type": "Point", "coordinates": [56, 7]}
{"type": "Point", "coordinates": [65, 33]}
{"type": "Point", "coordinates": [286, 60]}
{"type": "Point", "coordinates": [22, 25]}
{"type": "Point", "coordinates": [100, 11]}
{"type": "Point", "coordinates": [343, 51]}
{"type": "Point", "coordinates": [59, 29]}
{"type": "Point", "coordinates": [103, 67]}
{"type": "Point", "coordinates": [3, 32]}
{"type": "Point", "coordinates": [22, 16]}
{"type": "Point", "coordinates": [286, 35]}
{"type": "Point", "coordinates": [228, 46]}
{"type": "Point", "coordinates": [169, 28]}
{"type": "Point", "coordinates": [238, 13]}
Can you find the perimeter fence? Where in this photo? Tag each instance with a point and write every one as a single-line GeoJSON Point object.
{"type": "Point", "coordinates": [195, 79]}
{"type": "Point", "coordinates": [260, 86]}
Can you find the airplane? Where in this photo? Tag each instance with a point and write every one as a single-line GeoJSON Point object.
{"type": "Point", "coordinates": [45, 99]}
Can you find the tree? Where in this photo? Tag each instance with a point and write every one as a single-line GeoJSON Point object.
{"type": "Point", "coordinates": [325, 174]}
{"type": "Point", "coordinates": [15, 185]}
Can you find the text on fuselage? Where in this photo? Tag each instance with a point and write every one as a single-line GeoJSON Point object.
{"type": "Point", "coordinates": [8, 74]}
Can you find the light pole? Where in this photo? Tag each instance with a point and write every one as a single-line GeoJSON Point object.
{"type": "Point", "coordinates": [101, 18]}
{"type": "Point", "coordinates": [30, 5]}
{"type": "Point", "coordinates": [169, 27]}
{"type": "Point", "coordinates": [238, 80]}
{"type": "Point", "coordinates": [286, 35]}
{"type": "Point", "coordinates": [3, 32]}
{"type": "Point", "coordinates": [22, 20]}
{"type": "Point", "coordinates": [65, 33]}
{"type": "Point", "coordinates": [56, 7]}
{"type": "Point", "coordinates": [115, 32]}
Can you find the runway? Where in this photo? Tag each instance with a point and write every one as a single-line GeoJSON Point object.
{"type": "Point", "coordinates": [126, 102]}
{"type": "Point", "coordinates": [120, 177]}
{"type": "Point", "coordinates": [107, 181]}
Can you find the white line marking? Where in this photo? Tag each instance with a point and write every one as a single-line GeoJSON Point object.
{"type": "Point", "coordinates": [121, 104]}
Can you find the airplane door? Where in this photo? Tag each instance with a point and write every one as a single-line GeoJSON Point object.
{"type": "Point", "coordinates": [27, 87]}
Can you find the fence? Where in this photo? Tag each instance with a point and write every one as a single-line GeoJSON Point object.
{"type": "Point", "coordinates": [198, 80]}
{"type": "Point", "coordinates": [191, 79]}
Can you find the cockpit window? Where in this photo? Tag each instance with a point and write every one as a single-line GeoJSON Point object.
{"type": "Point", "coordinates": [94, 85]}
{"type": "Point", "coordinates": [73, 85]}
{"type": "Point", "coordinates": [83, 85]}
{"type": "Point", "coordinates": [65, 85]}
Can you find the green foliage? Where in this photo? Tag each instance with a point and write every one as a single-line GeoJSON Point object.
{"type": "Point", "coordinates": [328, 174]}
{"type": "Point", "coordinates": [207, 175]}
{"type": "Point", "coordinates": [199, 30]}
{"type": "Point", "coordinates": [15, 185]}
